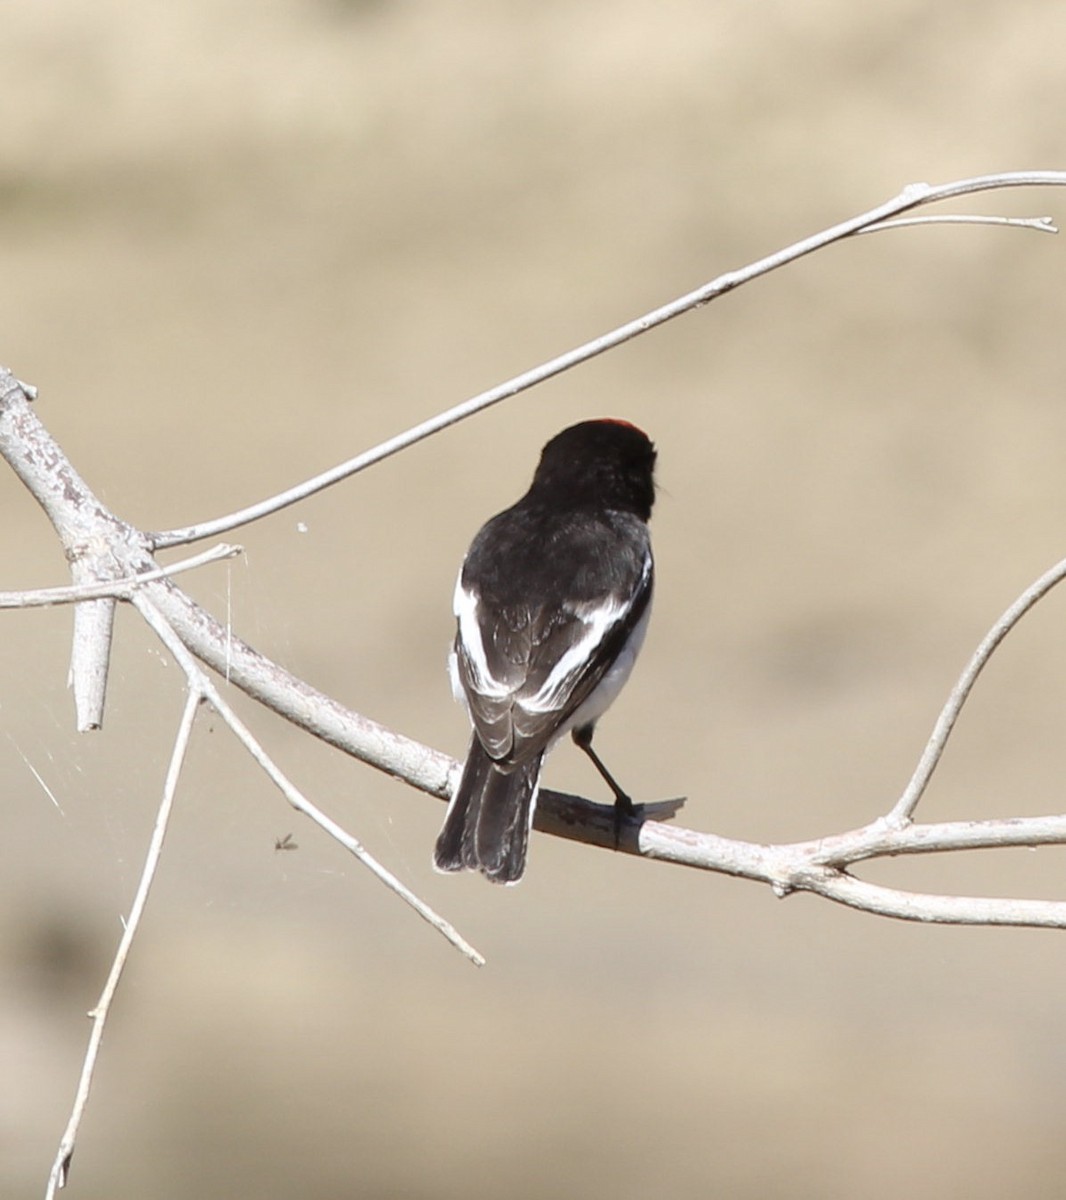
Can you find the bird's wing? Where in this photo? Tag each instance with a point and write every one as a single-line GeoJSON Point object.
{"type": "Point", "coordinates": [525, 671]}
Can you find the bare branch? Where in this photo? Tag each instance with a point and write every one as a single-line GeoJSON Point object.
{"type": "Point", "coordinates": [61, 1166]}
{"type": "Point", "coordinates": [817, 866]}
{"type": "Point", "coordinates": [297, 700]}
{"type": "Point", "coordinates": [941, 910]}
{"type": "Point", "coordinates": [806, 867]}
{"type": "Point", "coordinates": [90, 657]}
{"type": "Point", "coordinates": [905, 806]}
{"type": "Point", "coordinates": [1040, 224]}
{"type": "Point", "coordinates": [291, 793]}
{"type": "Point", "coordinates": [120, 589]}
{"type": "Point", "coordinates": [912, 196]}
{"type": "Point", "coordinates": [119, 554]}
{"type": "Point", "coordinates": [882, 839]}
{"type": "Point", "coordinates": [98, 546]}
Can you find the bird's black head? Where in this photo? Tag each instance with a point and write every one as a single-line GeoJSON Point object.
{"type": "Point", "coordinates": [605, 463]}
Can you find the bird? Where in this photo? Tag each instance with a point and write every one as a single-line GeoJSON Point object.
{"type": "Point", "coordinates": [551, 605]}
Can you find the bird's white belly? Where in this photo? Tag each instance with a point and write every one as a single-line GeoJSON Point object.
{"type": "Point", "coordinates": [606, 691]}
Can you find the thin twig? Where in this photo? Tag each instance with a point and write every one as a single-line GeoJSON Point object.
{"type": "Point", "coordinates": [927, 764]}
{"type": "Point", "coordinates": [880, 839]}
{"type": "Point", "coordinates": [295, 797]}
{"type": "Point", "coordinates": [1040, 224]}
{"type": "Point", "coordinates": [118, 589]}
{"type": "Point", "coordinates": [911, 197]}
{"type": "Point", "coordinates": [61, 1167]}
{"type": "Point", "coordinates": [933, 909]}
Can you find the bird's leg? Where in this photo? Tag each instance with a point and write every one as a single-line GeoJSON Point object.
{"type": "Point", "coordinates": [623, 805]}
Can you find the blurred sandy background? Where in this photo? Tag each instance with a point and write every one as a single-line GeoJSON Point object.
{"type": "Point", "coordinates": [243, 241]}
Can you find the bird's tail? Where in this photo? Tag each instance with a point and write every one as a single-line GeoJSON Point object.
{"type": "Point", "coordinates": [488, 821]}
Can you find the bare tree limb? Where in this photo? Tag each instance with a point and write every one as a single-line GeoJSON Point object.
{"type": "Point", "coordinates": [912, 196]}
{"type": "Point", "coordinates": [818, 866]}
{"type": "Point", "coordinates": [198, 680]}
{"type": "Point", "coordinates": [61, 1166]}
{"type": "Point", "coordinates": [1039, 224]}
{"type": "Point", "coordinates": [90, 656]}
{"type": "Point", "coordinates": [120, 589]}
{"type": "Point", "coordinates": [908, 802]}
{"type": "Point", "coordinates": [46, 471]}
{"type": "Point", "coordinates": [94, 540]}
